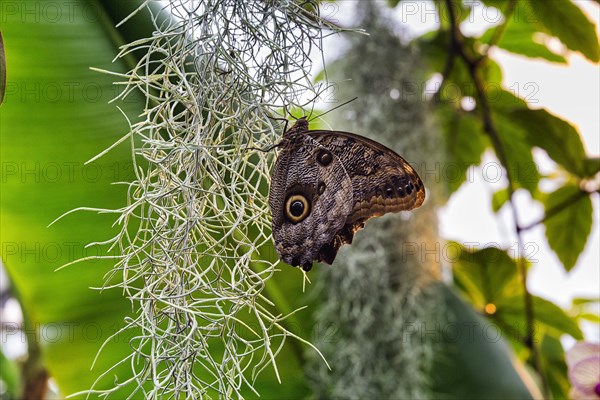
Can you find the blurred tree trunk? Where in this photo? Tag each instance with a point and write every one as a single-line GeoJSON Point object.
{"type": "Point", "coordinates": [381, 295]}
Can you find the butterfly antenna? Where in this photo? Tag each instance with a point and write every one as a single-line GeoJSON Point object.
{"type": "Point", "coordinates": [282, 119]}
{"type": "Point", "coordinates": [336, 107]}
{"type": "Point", "coordinates": [311, 111]}
{"type": "Point", "coordinates": [289, 113]}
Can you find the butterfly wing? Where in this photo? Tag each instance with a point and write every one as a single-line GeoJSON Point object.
{"type": "Point", "coordinates": [310, 198]}
{"type": "Point", "coordinates": [382, 181]}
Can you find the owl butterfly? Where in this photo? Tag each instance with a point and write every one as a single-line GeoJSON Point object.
{"type": "Point", "coordinates": [326, 184]}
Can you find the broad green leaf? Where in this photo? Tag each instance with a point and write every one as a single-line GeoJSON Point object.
{"type": "Point", "coordinates": [485, 274]}
{"type": "Point", "coordinates": [547, 314]}
{"type": "Point", "coordinates": [432, 45]}
{"type": "Point", "coordinates": [56, 117]}
{"type": "Point", "coordinates": [591, 166]}
{"type": "Point", "coordinates": [567, 22]}
{"type": "Point", "coordinates": [513, 139]}
{"type": "Point", "coordinates": [505, 100]}
{"type": "Point", "coordinates": [518, 38]}
{"type": "Point", "coordinates": [465, 143]}
{"type": "Point", "coordinates": [556, 136]}
{"type": "Point", "coordinates": [490, 275]}
{"type": "Point", "coordinates": [523, 170]}
{"type": "Point", "coordinates": [567, 231]}
{"type": "Point", "coordinates": [2, 70]}
{"type": "Point", "coordinates": [559, 18]}
{"type": "Point", "coordinates": [556, 318]}
{"type": "Point", "coordinates": [499, 199]}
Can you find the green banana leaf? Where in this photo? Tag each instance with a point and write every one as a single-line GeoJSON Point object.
{"type": "Point", "coordinates": [55, 118]}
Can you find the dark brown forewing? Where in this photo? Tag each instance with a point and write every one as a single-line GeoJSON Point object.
{"type": "Point", "coordinates": [382, 181]}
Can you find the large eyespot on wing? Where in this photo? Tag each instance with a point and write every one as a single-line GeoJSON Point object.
{"type": "Point", "coordinates": [310, 199]}
{"type": "Point", "coordinates": [297, 208]}
{"type": "Point", "coordinates": [382, 180]}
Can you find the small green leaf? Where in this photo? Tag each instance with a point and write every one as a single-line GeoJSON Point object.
{"type": "Point", "coordinates": [579, 301]}
{"type": "Point", "coordinates": [556, 136]}
{"type": "Point", "coordinates": [568, 229]}
{"type": "Point", "coordinates": [594, 318]}
{"type": "Point", "coordinates": [499, 199]}
{"type": "Point", "coordinates": [581, 307]}
{"type": "Point", "coordinates": [567, 22]}
{"type": "Point", "coordinates": [485, 274]}
{"type": "Point", "coordinates": [320, 76]}
{"type": "Point", "coordinates": [518, 38]}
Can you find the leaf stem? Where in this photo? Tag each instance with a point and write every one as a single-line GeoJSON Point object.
{"type": "Point", "coordinates": [558, 209]}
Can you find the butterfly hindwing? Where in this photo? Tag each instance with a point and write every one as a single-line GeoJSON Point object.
{"type": "Point", "coordinates": [308, 178]}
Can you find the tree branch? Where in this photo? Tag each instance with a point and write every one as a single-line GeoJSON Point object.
{"type": "Point", "coordinates": [473, 65]}
{"type": "Point", "coordinates": [448, 67]}
{"type": "Point", "coordinates": [455, 44]}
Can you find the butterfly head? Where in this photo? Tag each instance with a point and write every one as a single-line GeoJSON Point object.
{"type": "Point", "coordinates": [300, 127]}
